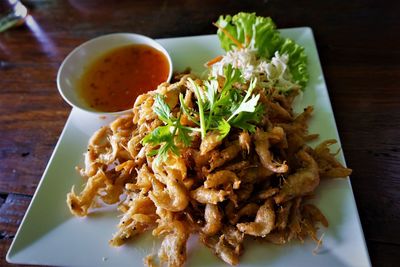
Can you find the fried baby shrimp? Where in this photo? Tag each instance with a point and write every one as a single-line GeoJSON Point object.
{"type": "Point", "coordinates": [102, 149]}
{"type": "Point", "coordinates": [219, 189]}
{"type": "Point", "coordinates": [234, 237]}
{"type": "Point", "coordinates": [238, 166]}
{"type": "Point", "coordinates": [244, 192]}
{"type": "Point", "coordinates": [286, 99]}
{"type": "Point", "coordinates": [329, 166]}
{"type": "Point", "coordinates": [143, 180]}
{"type": "Point", "coordinates": [123, 126]}
{"type": "Point", "coordinates": [277, 237]}
{"type": "Point", "coordinates": [211, 141]}
{"type": "Point", "coordinates": [173, 246]}
{"type": "Point", "coordinates": [315, 214]}
{"type": "Point", "coordinates": [168, 190]}
{"type": "Point", "coordinates": [267, 193]}
{"type": "Point", "coordinates": [98, 144]}
{"type": "Point", "coordinates": [299, 126]}
{"type": "Point", "coordinates": [79, 205]}
{"type": "Point", "coordinates": [223, 177]}
{"type": "Point", "coordinates": [213, 217]}
{"type": "Point", "coordinates": [228, 246]}
{"type": "Point", "coordinates": [172, 91]}
{"type": "Point", "coordinates": [255, 174]}
{"type": "Point", "coordinates": [127, 166]}
{"type": "Point", "coordinates": [194, 160]}
{"type": "Point", "coordinates": [249, 209]}
{"type": "Point", "coordinates": [115, 184]}
{"type": "Point", "coordinates": [264, 222]}
{"type": "Point", "coordinates": [309, 222]}
{"type": "Point", "coordinates": [174, 167]}
{"type": "Point", "coordinates": [226, 252]}
{"type": "Point", "coordinates": [282, 217]}
{"type": "Point", "coordinates": [245, 141]}
{"type": "Point", "coordinates": [208, 196]}
{"type": "Point", "coordinates": [169, 193]}
{"type": "Point", "coordinates": [122, 129]}
{"type": "Point", "coordinates": [302, 182]}
{"type": "Point", "coordinates": [219, 158]}
{"type": "Point", "coordinates": [295, 219]}
{"type": "Point", "coordinates": [230, 212]}
{"type": "Point", "coordinates": [276, 112]}
{"type": "Point", "coordinates": [134, 146]}
{"type": "Point", "coordinates": [140, 215]}
{"type": "Point", "coordinates": [142, 109]}
{"type": "Point", "coordinates": [91, 165]}
{"type": "Point", "coordinates": [262, 145]}
{"type": "Point", "coordinates": [300, 121]}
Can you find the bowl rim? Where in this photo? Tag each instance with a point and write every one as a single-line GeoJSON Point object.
{"type": "Point", "coordinates": [150, 41]}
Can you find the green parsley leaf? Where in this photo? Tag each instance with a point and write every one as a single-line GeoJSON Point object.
{"type": "Point", "coordinates": [162, 136]}
{"type": "Point", "coordinates": [163, 152]}
{"type": "Point", "coordinates": [247, 105]}
{"type": "Point", "coordinates": [224, 128]}
{"type": "Point", "coordinates": [232, 76]}
{"type": "Point", "coordinates": [153, 152]}
{"type": "Point", "coordinates": [211, 91]}
{"type": "Point", "coordinates": [158, 135]}
{"type": "Point", "coordinates": [217, 109]}
{"type": "Point", "coordinates": [166, 136]}
{"type": "Point", "coordinates": [162, 109]}
{"type": "Point", "coordinates": [183, 134]}
{"type": "Point", "coordinates": [248, 120]}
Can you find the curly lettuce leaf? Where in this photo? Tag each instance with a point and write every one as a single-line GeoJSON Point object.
{"type": "Point", "coordinates": [260, 33]}
{"type": "Point", "coordinates": [297, 61]}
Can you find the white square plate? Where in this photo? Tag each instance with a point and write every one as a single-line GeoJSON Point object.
{"type": "Point", "coordinates": [50, 235]}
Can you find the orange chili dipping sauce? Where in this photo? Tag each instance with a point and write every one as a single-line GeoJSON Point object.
{"type": "Point", "coordinates": [113, 81]}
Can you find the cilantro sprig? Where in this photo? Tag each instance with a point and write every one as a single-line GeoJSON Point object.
{"type": "Point", "coordinates": [168, 136]}
{"type": "Point", "coordinates": [218, 109]}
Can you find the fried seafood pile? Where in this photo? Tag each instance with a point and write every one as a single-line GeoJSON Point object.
{"type": "Point", "coordinates": [250, 184]}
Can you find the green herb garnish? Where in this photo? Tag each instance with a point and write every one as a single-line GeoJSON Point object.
{"type": "Point", "coordinates": [218, 109]}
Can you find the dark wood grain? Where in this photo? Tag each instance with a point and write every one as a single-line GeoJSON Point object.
{"type": "Point", "coordinates": [384, 254]}
{"type": "Point", "coordinates": [12, 210]}
{"type": "Point", "coordinates": [358, 43]}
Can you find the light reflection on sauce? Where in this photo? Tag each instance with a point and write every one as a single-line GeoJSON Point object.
{"type": "Point", "coordinates": [114, 80]}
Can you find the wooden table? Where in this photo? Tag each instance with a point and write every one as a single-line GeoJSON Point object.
{"type": "Point", "coordinates": [359, 46]}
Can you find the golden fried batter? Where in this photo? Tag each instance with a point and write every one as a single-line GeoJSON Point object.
{"type": "Point", "coordinates": [248, 184]}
